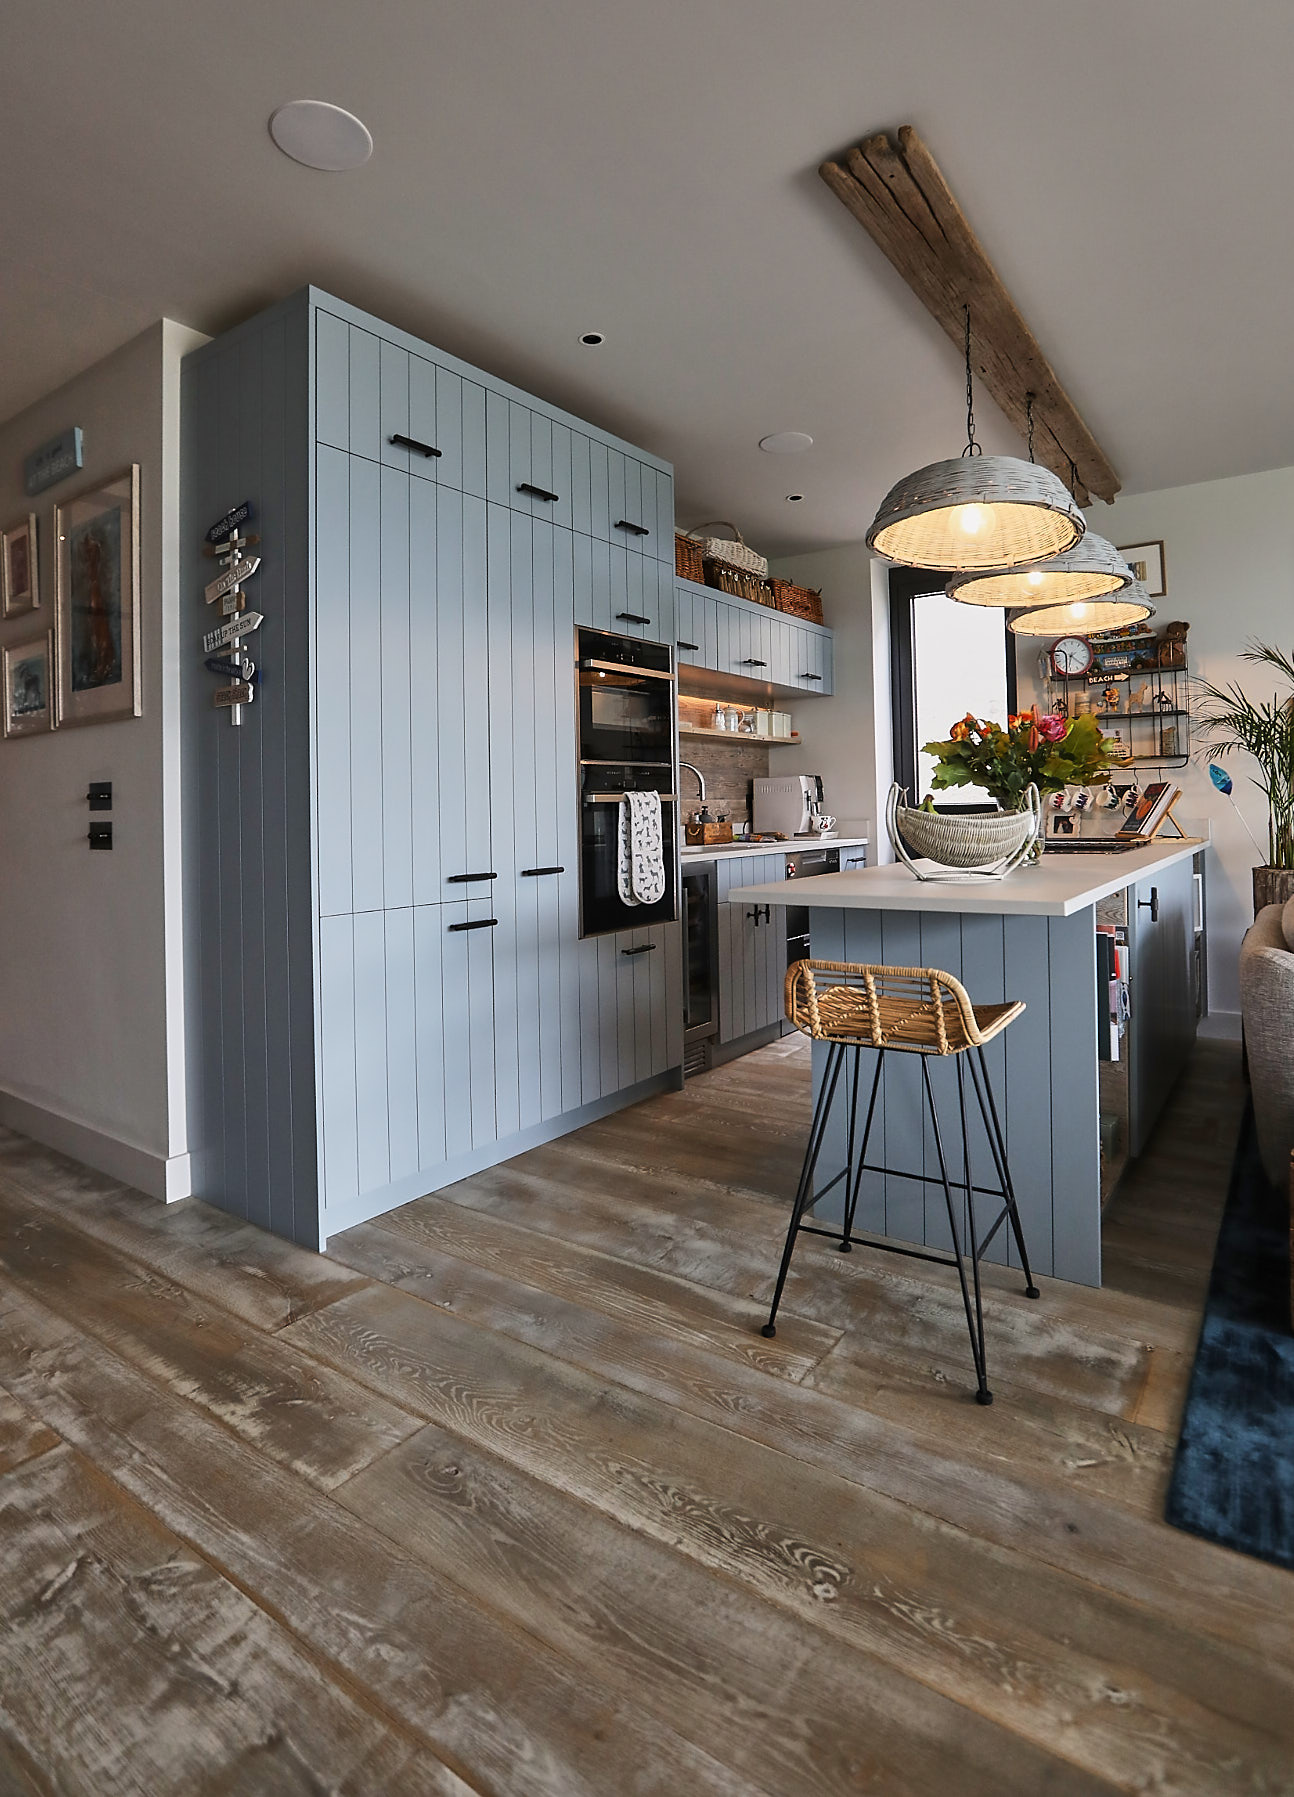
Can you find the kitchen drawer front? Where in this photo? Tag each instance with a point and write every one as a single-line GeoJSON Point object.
{"type": "Point", "coordinates": [631, 1007]}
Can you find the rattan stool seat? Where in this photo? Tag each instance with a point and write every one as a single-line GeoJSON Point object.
{"type": "Point", "coordinates": [919, 1010]}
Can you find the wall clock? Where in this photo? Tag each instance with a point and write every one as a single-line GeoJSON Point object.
{"type": "Point", "coordinates": [1071, 655]}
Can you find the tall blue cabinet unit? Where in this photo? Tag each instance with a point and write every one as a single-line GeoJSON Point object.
{"type": "Point", "coordinates": [408, 768]}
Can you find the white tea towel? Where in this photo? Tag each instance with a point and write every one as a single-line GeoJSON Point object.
{"type": "Point", "coordinates": [640, 874]}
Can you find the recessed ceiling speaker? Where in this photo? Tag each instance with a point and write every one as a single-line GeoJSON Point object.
{"type": "Point", "coordinates": [320, 135]}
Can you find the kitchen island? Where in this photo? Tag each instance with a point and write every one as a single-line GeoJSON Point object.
{"type": "Point", "coordinates": [1031, 936]}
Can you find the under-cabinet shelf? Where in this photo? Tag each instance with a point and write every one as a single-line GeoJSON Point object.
{"type": "Point", "coordinates": [741, 736]}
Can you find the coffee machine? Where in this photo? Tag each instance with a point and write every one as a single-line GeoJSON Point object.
{"type": "Point", "coordinates": [791, 805]}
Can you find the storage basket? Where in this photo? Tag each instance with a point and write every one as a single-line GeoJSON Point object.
{"type": "Point", "coordinates": [742, 585]}
{"type": "Point", "coordinates": [732, 550]}
{"type": "Point", "coordinates": [689, 562]}
{"type": "Point", "coordinates": [798, 602]}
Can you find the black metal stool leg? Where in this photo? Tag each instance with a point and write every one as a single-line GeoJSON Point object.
{"type": "Point", "coordinates": [997, 1142]}
{"type": "Point", "coordinates": [971, 1228]}
{"type": "Point", "coordinates": [852, 1193]}
{"type": "Point", "coordinates": [983, 1394]}
{"type": "Point", "coordinates": [817, 1131]}
{"type": "Point", "coordinates": [851, 1127]}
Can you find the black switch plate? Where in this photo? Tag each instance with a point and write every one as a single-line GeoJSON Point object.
{"type": "Point", "coordinates": [100, 836]}
{"type": "Point", "coordinates": [99, 796]}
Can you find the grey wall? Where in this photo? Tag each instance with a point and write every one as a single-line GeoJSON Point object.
{"type": "Point", "coordinates": [91, 1020]}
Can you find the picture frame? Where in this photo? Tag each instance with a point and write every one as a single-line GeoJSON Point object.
{"type": "Point", "coordinates": [29, 674]}
{"type": "Point", "coordinates": [1148, 566]}
{"type": "Point", "coordinates": [19, 570]}
{"type": "Point", "coordinates": [96, 534]}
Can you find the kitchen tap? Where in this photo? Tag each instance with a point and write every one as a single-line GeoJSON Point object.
{"type": "Point", "coordinates": [700, 777]}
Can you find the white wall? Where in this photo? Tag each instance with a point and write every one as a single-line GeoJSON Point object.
{"type": "Point", "coordinates": [847, 738]}
{"type": "Point", "coordinates": [91, 988]}
{"type": "Point", "coordinates": [1229, 555]}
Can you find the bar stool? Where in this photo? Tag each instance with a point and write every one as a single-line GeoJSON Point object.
{"type": "Point", "coordinates": [905, 1010]}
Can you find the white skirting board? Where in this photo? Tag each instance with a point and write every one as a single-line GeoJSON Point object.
{"type": "Point", "coordinates": [167, 1177]}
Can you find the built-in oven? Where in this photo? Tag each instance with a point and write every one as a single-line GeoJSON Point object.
{"type": "Point", "coordinates": [799, 866]}
{"type": "Point", "coordinates": [626, 744]}
{"type": "Point", "coordinates": [626, 700]}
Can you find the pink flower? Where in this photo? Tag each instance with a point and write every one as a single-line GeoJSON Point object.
{"type": "Point", "coordinates": [1052, 727]}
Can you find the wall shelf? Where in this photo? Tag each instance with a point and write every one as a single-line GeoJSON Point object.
{"type": "Point", "coordinates": [740, 736]}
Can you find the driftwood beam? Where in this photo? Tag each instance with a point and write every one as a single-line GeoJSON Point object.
{"type": "Point", "coordinates": [898, 194]}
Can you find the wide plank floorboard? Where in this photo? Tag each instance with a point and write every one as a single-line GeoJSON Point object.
{"type": "Point", "coordinates": [508, 1495]}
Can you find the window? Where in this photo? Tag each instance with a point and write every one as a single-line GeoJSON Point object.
{"type": "Point", "coordinates": [946, 659]}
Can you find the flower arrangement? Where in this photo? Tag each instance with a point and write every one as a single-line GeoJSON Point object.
{"type": "Point", "coordinates": [1044, 749]}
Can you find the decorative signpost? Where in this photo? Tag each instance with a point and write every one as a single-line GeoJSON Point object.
{"type": "Point", "coordinates": [224, 542]}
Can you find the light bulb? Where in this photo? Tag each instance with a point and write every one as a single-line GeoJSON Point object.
{"type": "Point", "coordinates": [971, 519]}
{"type": "Point", "coordinates": [1035, 579]}
{"type": "Point", "coordinates": [1078, 609]}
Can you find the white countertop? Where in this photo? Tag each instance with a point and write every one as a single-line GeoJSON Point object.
{"type": "Point", "coordinates": [794, 845]}
{"type": "Point", "coordinates": [1056, 886]}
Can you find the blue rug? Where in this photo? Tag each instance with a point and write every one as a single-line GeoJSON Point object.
{"type": "Point", "coordinates": [1233, 1478]}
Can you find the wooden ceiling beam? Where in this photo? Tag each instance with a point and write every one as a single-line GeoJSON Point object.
{"type": "Point", "coordinates": [898, 194]}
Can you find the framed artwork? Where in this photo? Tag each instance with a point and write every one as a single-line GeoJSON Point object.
{"type": "Point", "coordinates": [98, 665]}
{"type": "Point", "coordinates": [1147, 563]}
{"type": "Point", "coordinates": [18, 572]}
{"type": "Point", "coordinates": [28, 674]}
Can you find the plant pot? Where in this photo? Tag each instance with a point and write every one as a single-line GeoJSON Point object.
{"type": "Point", "coordinates": [1272, 886]}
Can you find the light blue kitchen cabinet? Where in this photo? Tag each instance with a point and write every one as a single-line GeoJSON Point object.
{"type": "Point", "coordinates": [728, 635]}
{"type": "Point", "coordinates": [394, 991]}
{"type": "Point", "coordinates": [752, 948]}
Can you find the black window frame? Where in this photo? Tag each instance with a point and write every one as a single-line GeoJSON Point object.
{"type": "Point", "coordinates": [906, 586]}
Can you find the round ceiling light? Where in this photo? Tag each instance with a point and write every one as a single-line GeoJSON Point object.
{"type": "Point", "coordinates": [320, 135]}
{"type": "Point", "coordinates": [592, 338]}
{"type": "Point", "coordinates": [1082, 616]}
{"type": "Point", "coordinates": [794, 498]}
{"type": "Point", "coordinates": [976, 512]}
{"type": "Point", "coordinates": [1092, 567]}
{"type": "Point", "coordinates": [786, 443]}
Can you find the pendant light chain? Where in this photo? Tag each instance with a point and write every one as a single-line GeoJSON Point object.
{"type": "Point", "coordinates": [1028, 409]}
{"type": "Point", "coordinates": [972, 447]}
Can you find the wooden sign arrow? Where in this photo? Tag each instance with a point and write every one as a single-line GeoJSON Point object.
{"type": "Point", "coordinates": [226, 526]}
{"type": "Point", "coordinates": [241, 668]}
{"type": "Point", "coordinates": [232, 577]}
{"type": "Point", "coordinates": [233, 603]}
{"type": "Point", "coordinates": [232, 544]}
{"type": "Point", "coordinates": [230, 632]}
{"type": "Point", "coordinates": [240, 693]}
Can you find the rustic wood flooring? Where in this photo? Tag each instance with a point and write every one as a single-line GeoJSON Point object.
{"type": "Point", "coordinates": [508, 1495]}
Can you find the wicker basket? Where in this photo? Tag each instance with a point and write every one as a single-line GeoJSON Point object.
{"type": "Point", "coordinates": [798, 602]}
{"type": "Point", "coordinates": [689, 562]}
{"type": "Point", "coordinates": [997, 840]}
{"type": "Point", "coordinates": [734, 551]}
{"type": "Point", "coordinates": [727, 579]}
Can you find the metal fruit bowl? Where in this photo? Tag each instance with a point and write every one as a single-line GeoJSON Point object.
{"type": "Point", "coordinates": [989, 844]}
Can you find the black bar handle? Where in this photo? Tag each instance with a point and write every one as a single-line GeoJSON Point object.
{"type": "Point", "coordinates": [683, 645]}
{"type": "Point", "coordinates": [645, 948]}
{"type": "Point", "coordinates": [537, 492]}
{"type": "Point", "coordinates": [752, 661]}
{"type": "Point", "coordinates": [810, 676]}
{"type": "Point", "coordinates": [480, 923]}
{"type": "Point", "coordinates": [632, 617]}
{"type": "Point", "coordinates": [1151, 904]}
{"type": "Point", "coordinates": [413, 443]}
{"type": "Point", "coordinates": [532, 873]}
{"type": "Point", "coordinates": [766, 918]}
{"type": "Point", "coordinates": [468, 879]}
{"type": "Point", "coordinates": [638, 530]}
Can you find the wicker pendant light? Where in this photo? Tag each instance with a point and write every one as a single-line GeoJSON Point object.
{"type": "Point", "coordinates": [1082, 616]}
{"type": "Point", "coordinates": [1086, 571]}
{"type": "Point", "coordinates": [977, 512]}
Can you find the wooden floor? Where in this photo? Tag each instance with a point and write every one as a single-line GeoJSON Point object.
{"type": "Point", "coordinates": [510, 1496]}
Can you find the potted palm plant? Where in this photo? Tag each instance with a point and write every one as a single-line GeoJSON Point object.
{"type": "Point", "coordinates": [1263, 729]}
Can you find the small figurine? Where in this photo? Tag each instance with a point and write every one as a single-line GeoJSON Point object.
{"type": "Point", "coordinates": [1140, 699]}
{"type": "Point", "coordinates": [1172, 645]}
{"type": "Point", "coordinates": [1060, 707]}
{"type": "Point", "coordinates": [1164, 701]}
{"type": "Point", "coordinates": [1110, 697]}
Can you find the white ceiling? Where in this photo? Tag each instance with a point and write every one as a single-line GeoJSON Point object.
{"type": "Point", "coordinates": [546, 167]}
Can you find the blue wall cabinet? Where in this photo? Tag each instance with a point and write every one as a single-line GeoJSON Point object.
{"type": "Point", "coordinates": [394, 990]}
{"type": "Point", "coordinates": [728, 635]}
